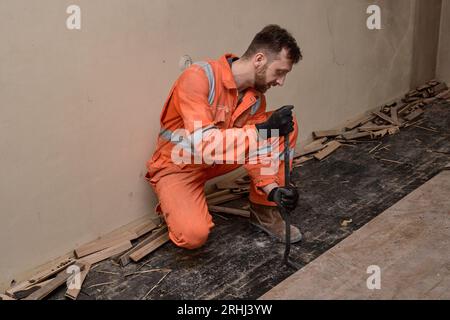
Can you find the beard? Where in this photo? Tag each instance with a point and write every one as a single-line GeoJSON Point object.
{"type": "Point", "coordinates": [260, 80]}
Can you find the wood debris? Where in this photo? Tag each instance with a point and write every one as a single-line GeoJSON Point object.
{"type": "Point", "coordinates": [388, 120]}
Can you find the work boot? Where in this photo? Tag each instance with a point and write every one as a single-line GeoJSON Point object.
{"type": "Point", "coordinates": [269, 220]}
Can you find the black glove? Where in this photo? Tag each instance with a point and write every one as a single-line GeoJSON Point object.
{"type": "Point", "coordinates": [280, 119]}
{"type": "Point", "coordinates": [285, 197]}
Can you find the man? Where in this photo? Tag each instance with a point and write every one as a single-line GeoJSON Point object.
{"type": "Point", "coordinates": [209, 102]}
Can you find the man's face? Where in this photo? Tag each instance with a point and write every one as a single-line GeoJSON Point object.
{"type": "Point", "coordinates": [273, 72]}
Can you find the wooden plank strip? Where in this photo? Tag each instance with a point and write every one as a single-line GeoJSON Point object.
{"type": "Point", "coordinates": [217, 194]}
{"type": "Point", "coordinates": [26, 292]}
{"type": "Point", "coordinates": [225, 185]}
{"type": "Point", "coordinates": [355, 135]}
{"type": "Point", "coordinates": [105, 254]}
{"type": "Point", "coordinates": [41, 276]}
{"type": "Point", "coordinates": [150, 247]}
{"type": "Point", "coordinates": [327, 133]}
{"type": "Point", "coordinates": [394, 114]}
{"type": "Point", "coordinates": [413, 115]}
{"type": "Point", "coordinates": [312, 147]}
{"type": "Point", "coordinates": [330, 147]}
{"type": "Point", "coordinates": [224, 198]}
{"type": "Point", "coordinates": [60, 279]}
{"type": "Point", "coordinates": [385, 117]}
{"type": "Point", "coordinates": [299, 161]}
{"type": "Point", "coordinates": [144, 228]}
{"type": "Point", "coordinates": [315, 143]}
{"type": "Point", "coordinates": [233, 211]}
{"type": "Point", "coordinates": [74, 292]}
{"type": "Point", "coordinates": [311, 150]}
{"type": "Point", "coordinates": [124, 259]}
{"type": "Point", "coordinates": [376, 128]}
{"type": "Point", "coordinates": [353, 124]}
{"type": "Point", "coordinates": [103, 243]}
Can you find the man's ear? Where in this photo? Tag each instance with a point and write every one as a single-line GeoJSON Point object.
{"type": "Point", "coordinates": [259, 59]}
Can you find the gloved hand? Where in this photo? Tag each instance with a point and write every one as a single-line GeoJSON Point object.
{"type": "Point", "coordinates": [285, 197]}
{"type": "Point", "coordinates": [280, 119]}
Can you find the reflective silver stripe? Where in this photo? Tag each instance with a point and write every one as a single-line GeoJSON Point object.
{"type": "Point", "coordinates": [255, 106]}
{"type": "Point", "coordinates": [260, 152]}
{"type": "Point", "coordinates": [176, 139]}
{"type": "Point", "coordinates": [212, 82]}
{"type": "Point", "coordinates": [166, 134]}
{"type": "Point", "coordinates": [291, 155]}
{"type": "Point", "coordinates": [185, 142]}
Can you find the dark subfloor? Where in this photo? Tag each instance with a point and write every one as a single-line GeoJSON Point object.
{"type": "Point", "coordinates": [241, 262]}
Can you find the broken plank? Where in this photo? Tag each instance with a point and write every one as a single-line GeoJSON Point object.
{"type": "Point", "coordinates": [376, 128]}
{"type": "Point", "coordinates": [413, 115]}
{"type": "Point", "coordinates": [330, 147]}
{"type": "Point", "coordinates": [103, 243]}
{"type": "Point", "coordinates": [355, 123]}
{"type": "Point", "coordinates": [124, 259]}
{"type": "Point", "coordinates": [149, 248]}
{"type": "Point", "coordinates": [393, 130]}
{"type": "Point", "coordinates": [41, 276]}
{"type": "Point", "coordinates": [144, 228]}
{"type": "Point", "coordinates": [385, 117]}
{"type": "Point", "coordinates": [72, 293]}
{"type": "Point", "coordinates": [21, 294]}
{"type": "Point", "coordinates": [394, 114]}
{"type": "Point", "coordinates": [315, 143]}
{"type": "Point", "coordinates": [379, 134]}
{"type": "Point", "coordinates": [355, 135]}
{"type": "Point", "coordinates": [233, 211]}
{"type": "Point", "coordinates": [299, 161]}
{"type": "Point", "coordinates": [60, 279]}
{"type": "Point", "coordinates": [310, 150]}
{"type": "Point", "coordinates": [327, 133]}
{"type": "Point", "coordinates": [105, 254]}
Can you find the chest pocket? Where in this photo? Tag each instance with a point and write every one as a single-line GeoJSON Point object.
{"type": "Point", "coordinates": [221, 113]}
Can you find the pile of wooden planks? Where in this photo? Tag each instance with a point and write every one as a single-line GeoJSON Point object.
{"type": "Point", "coordinates": [116, 245]}
{"type": "Point", "coordinates": [388, 120]}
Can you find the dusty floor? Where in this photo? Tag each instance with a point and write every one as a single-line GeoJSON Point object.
{"type": "Point", "coordinates": [239, 261]}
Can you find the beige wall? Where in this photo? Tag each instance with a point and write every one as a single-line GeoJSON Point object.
{"type": "Point", "coordinates": [425, 40]}
{"type": "Point", "coordinates": [443, 69]}
{"type": "Point", "coordinates": [80, 109]}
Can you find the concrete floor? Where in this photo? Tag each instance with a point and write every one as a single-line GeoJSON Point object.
{"type": "Point", "coordinates": [410, 242]}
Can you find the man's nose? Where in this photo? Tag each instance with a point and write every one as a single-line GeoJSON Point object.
{"type": "Point", "coordinates": [280, 81]}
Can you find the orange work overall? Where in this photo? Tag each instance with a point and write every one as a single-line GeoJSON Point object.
{"type": "Point", "coordinates": [206, 93]}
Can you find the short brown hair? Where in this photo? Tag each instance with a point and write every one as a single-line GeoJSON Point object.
{"type": "Point", "coordinates": [273, 39]}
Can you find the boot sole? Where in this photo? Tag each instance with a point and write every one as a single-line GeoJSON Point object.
{"type": "Point", "coordinates": [295, 240]}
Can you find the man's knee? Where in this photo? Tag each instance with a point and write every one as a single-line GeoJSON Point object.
{"type": "Point", "coordinates": [191, 238]}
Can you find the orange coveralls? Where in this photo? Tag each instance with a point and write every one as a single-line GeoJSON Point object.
{"type": "Point", "coordinates": [206, 92]}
